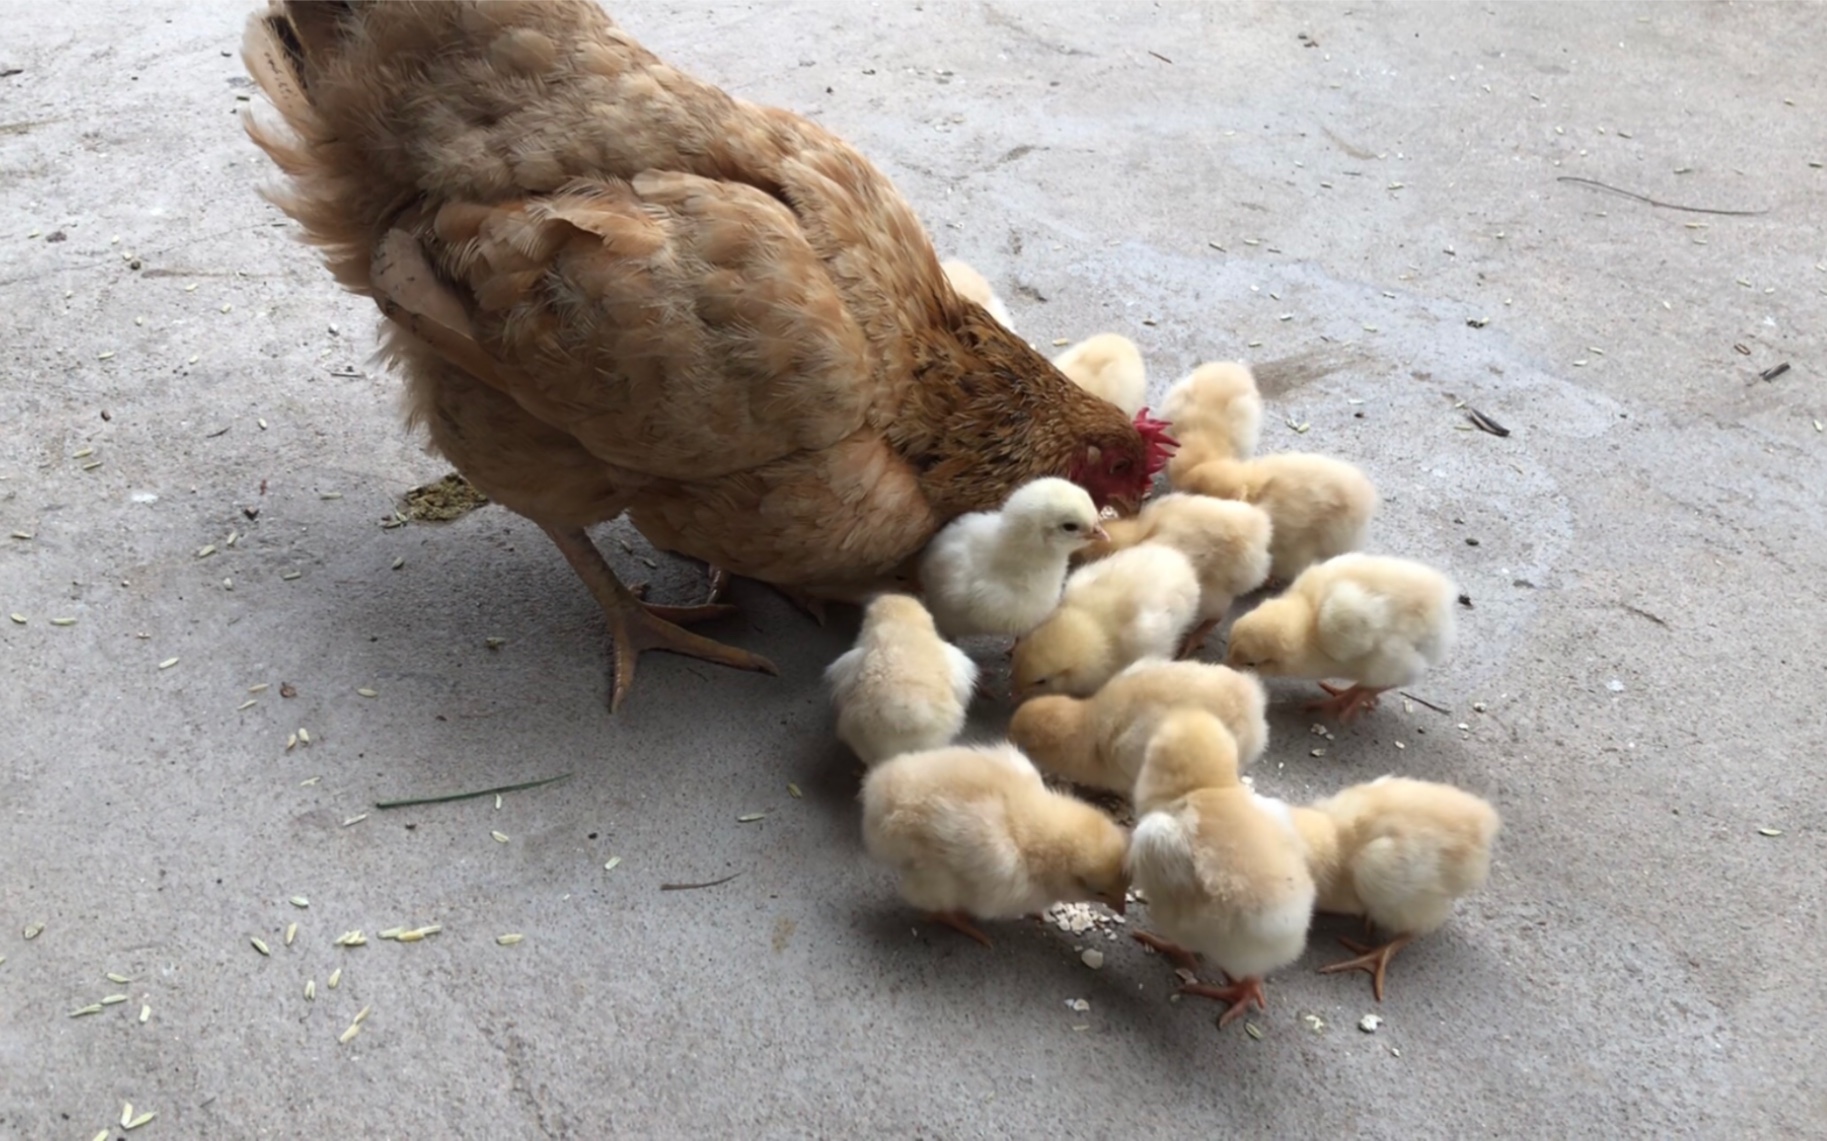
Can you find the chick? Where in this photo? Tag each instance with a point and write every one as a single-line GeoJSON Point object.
{"type": "Point", "coordinates": [1223, 869]}
{"type": "Point", "coordinates": [972, 286]}
{"type": "Point", "coordinates": [1377, 621]}
{"type": "Point", "coordinates": [1100, 741]}
{"type": "Point", "coordinates": [1227, 543]}
{"type": "Point", "coordinates": [902, 688]}
{"type": "Point", "coordinates": [1109, 366]}
{"type": "Point", "coordinates": [1319, 506]}
{"type": "Point", "coordinates": [974, 832]}
{"type": "Point", "coordinates": [1398, 852]}
{"type": "Point", "coordinates": [1216, 413]}
{"type": "Point", "coordinates": [1135, 604]}
{"type": "Point", "coordinates": [1001, 572]}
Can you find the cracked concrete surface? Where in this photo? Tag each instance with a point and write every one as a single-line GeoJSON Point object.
{"type": "Point", "coordinates": [1331, 192]}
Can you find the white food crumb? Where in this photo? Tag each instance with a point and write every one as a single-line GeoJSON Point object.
{"type": "Point", "coordinates": [1369, 1023]}
{"type": "Point", "coordinates": [1093, 958]}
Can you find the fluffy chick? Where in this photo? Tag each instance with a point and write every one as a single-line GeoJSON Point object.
{"type": "Point", "coordinates": [1319, 506]}
{"type": "Point", "coordinates": [974, 832]}
{"type": "Point", "coordinates": [1135, 604]}
{"type": "Point", "coordinates": [1109, 366]}
{"type": "Point", "coordinates": [1227, 543]}
{"type": "Point", "coordinates": [902, 688]}
{"type": "Point", "coordinates": [1001, 572]}
{"type": "Point", "coordinates": [1223, 869]}
{"type": "Point", "coordinates": [1378, 621]}
{"type": "Point", "coordinates": [1216, 413]}
{"type": "Point", "coordinates": [973, 286]}
{"type": "Point", "coordinates": [1100, 741]}
{"type": "Point", "coordinates": [1399, 852]}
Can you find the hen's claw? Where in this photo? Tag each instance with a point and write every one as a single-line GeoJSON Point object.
{"type": "Point", "coordinates": [1345, 704]}
{"type": "Point", "coordinates": [638, 627]}
{"type": "Point", "coordinates": [1373, 961]}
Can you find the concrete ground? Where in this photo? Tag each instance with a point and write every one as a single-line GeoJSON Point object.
{"type": "Point", "coordinates": [1335, 193]}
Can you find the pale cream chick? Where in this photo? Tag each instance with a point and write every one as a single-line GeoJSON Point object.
{"type": "Point", "coordinates": [974, 832]}
{"type": "Point", "coordinates": [902, 688]}
{"type": "Point", "coordinates": [1376, 621]}
{"type": "Point", "coordinates": [1133, 605]}
{"type": "Point", "coordinates": [1109, 366]}
{"type": "Point", "coordinates": [973, 286]}
{"type": "Point", "coordinates": [1216, 414]}
{"type": "Point", "coordinates": [1319, 506]}
{"type": "Point", "coordinates": [1227, 543]}
{"type": "Point", "coordinates": [1001, 572]}
{"type": "Point", "coordinates": [1400, 852]}
{"type": "Point", "coordinates": [1223, 869]}
{"type": "Point", "coordinates": [1100, 741]}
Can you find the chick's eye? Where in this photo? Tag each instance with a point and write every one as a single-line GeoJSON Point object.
{"type": "Point", "coordinates": [1068, 527]}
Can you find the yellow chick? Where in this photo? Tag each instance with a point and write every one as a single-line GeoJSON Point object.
{"type": "Point", "coordinates": [1378, 621]}
{"type": "Point", "coordinates": [1100, 741]}
{"type": "Point", "coordinates": [1135, 604]}
{"type": "Point", "coordinates": [1001, 572]}
{"type": "Point", "coordinates": [1109, 366]}
{"type": "Point", "coordinates": [1223, 869]}
{"type": "Point", "coordinates": [1319, 506]}
{"type": "Point", "coordinates": [1399, 852]}
{"type": "Point", "coordinates": [902, 688]}
{"type": "Point", "coordinates": [973, 286]}
{"type": "Point", "coordinates": [1216, 413]}
{"type": "Point", "coordinates": [974, 832]}
{"type": "Point", "coordinates": [1227, 543]}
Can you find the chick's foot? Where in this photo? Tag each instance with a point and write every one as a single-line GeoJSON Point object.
{"type": "Point", "coordinates": [1241, 995]}
{"type": "Point", "coordinates": [960, 922]}
{"type": "Point", "coordinates": [1373, 961]}
{"type": "Point", "coordinates": [636, 626]}
{"type": "Point", "coordinates": [1195, 641]}
{"type": "Point", "coordinates": [1176, 954]}
{"type": "Point", "coordinates": [1345, 704]}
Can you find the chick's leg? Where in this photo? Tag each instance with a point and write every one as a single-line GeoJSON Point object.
{"type": "Point", "coordinates": [1240, 994]}
{"type": "Point", "coordinates": [1195, 641]}
{"type": "Point", "coordinates": [1347, 703]}
{"type": "Point", "coordinates": [1373, 961]}
{"type": "Point", "coordinates": [636, 626]}
{"type": "Point", "coordinates": [1176, 954]}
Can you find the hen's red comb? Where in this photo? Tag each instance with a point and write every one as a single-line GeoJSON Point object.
{"type": "Point", "coordinates": [1154, 435]}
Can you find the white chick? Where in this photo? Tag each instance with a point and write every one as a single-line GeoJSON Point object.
{"type": "Point", "coordinates": [1378, 621]}
{"type": "Point", "coordinates": [902, 688]}
{"type": "Point", "coordinates": [974, 832]}
{"type": "Point", "coordinates": [1216, 413]}
{"type": "Point", "coordinates": [1100, 741]}
{"type": "Point", "coordinates": [1135, 604]}
{"type": "Point", "coordinates": [1001, 572]}
{"type": "Point", "coordinates": [1223, 869]}
{"type": "Point", "coordinates": [1108, 366]}
{"type": "Point", "coordinates": [1399, 852]}
{"type": "Point", "coordinates": [1228, 544]}
{"type": "Point", "coordinates": [1318, 506]}
{"type": "Point", "coordinates": [973, 286]}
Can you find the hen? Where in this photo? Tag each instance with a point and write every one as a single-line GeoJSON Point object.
{"type": "Point", "coordinates": [614, 288]}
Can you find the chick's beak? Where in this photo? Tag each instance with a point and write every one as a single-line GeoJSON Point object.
{"type": "Point", "coordinates": [1099, 535]}
{"type": "Point", "coordinates": [1118, 903]}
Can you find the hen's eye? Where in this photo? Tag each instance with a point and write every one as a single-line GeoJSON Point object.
{"type": "Point", "coordinates": [1121, 467]}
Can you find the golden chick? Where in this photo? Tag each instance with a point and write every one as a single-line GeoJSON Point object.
{"type": "Point", "coordinates": [975, 833]}
{"type": "Point", "coordinates": [902, 688]}
{"type": "Point", "coordinates": [1109, 366]}
{"type": "Point", "coordinates": [1135, 604]}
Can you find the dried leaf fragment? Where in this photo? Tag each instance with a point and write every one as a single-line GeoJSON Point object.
{"type": "Point", "coordinates": [1484, 423]}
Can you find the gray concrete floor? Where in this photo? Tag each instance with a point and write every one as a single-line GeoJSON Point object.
{"type": "Point", "coordinates": [1645, 640]}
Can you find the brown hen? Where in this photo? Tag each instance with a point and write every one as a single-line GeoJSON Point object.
{"type": "Point", "coordinates": [612, 287]}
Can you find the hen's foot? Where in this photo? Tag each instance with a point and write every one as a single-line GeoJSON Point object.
{"type": "Point", "coordinates": [636, 626]}
{"type": "Point", "coordinates": [960, 922]}
{"type": "Point", "coordinates": [812, 607]}
{"type": "Point", "coordinates": [1178, 955]}
{"type": "Point", "coordinates": [1373, 961]}
{"type": "Point", "coordinates": [1195, 641]}
{"type": "Point", "coordinates": [1346, 704]}
{"type": "Point", "coordinates": [1240, 995]}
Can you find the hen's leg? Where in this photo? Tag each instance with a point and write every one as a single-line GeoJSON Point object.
{"type": "Point", "coordinates": [958, 921]}
{"type": "Point", "coordinates": [1240, 994]}
{"type": "Point", "coordinates": [1371, 960]}
{"type": "Point", "coordinates": [1347, 703]}
{"type": "Point", "coordinates": [637, 626]}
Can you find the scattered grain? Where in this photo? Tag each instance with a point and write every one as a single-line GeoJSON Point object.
{"type": "Point", "coordinates": [509, 940]}
{"type": "Point", "coordinates": [354, 1029]}
{"type": "Point", "coordinates": [398, 563]}
{"type": "Point", "coordinates": [304, 736]}
{"type": "Point", "coordinates": [260, 945]}
{"type": "Point", "coordinates": [1769, 831]}
{"type": "Point", "coordinates": [117, 977]}
{"type": "Point", "coordinates": [613, 861]}
{"type": "Point", "coordinates": [336, 978]}
{"type": "Point", "coordinates": [248, 704]}
{"type": "Point", "coordinates": [750, 817]}
{"type": "Point", "coordinates": [291, 932]}
{"type": "Point", "coordinates": [1252, 1030]}
{"type": "Point", "coordinates": [1093, 958]}
{"type": "Point", "coordinates": [145, 1012]}
{"type": "Point", "coordinates": [351, 939]}
{"type": "Point", "coordinates": [33, 930]}
{"type": "Point", "coordinates": [288, 576]}
{"type": "Point", "coordinates": [500, 837]}
{"type": "Point", "coordinates": [356, 819]}
{"type": "Point", "coordinates": [330, 495]}
{"type": "Point", "coordinates": [168, 663]}
{"type": "Point", "coordinates": [140, 1120]}
{"type": "Point", "coordinates": [206, 550]}
{"type": "Point", "coordinates": [310, 990]}
{"type": "Point", "coordinates": [126, 1113]}
{"type": "Point", "coordinates": [1370, 1022]}
{"type": "Point", "coordinates": [18, 618]}
{"type": "Point", "coordinates": [113, 999]}
{"type": "Point", "coordinates": [63, 621]}
{"type": "Point", "coordinates": [361, 1015]}
{"type": "Point", "coordinates": [793, 791]}
{"type": "Point", "coordinates": [366, 692]}
{"type": "Point", "coordinates": [92, 1008]}
{"type": "Point", "coordinates": [82, 453]}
